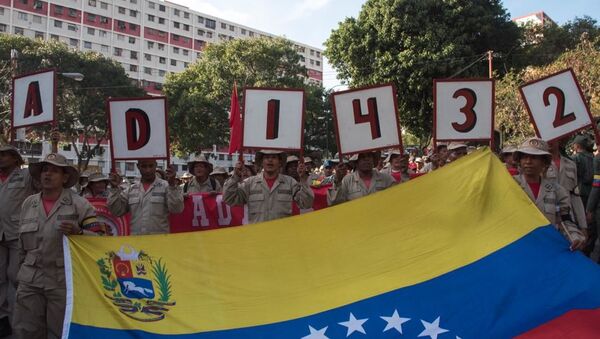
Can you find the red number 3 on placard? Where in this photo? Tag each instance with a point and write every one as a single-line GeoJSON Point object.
{"type": "Point", "coordinates": [559, 118]}
{"type": "Point", "coordinates": [467, 110]}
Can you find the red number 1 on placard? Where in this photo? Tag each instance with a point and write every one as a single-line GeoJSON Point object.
{"type": "Point", "coordinates": [559, 117]}
{"type": "Point", "coordinates": [272, 119]}
{"type": "Point", "coordinates": [467, 110]}
{"type": "Point", "coordinates": [372, 116]}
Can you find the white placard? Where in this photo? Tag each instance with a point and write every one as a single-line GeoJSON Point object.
{"type": "Point", "coordinates": [139, 128]}
{"type": "Point", "coordinates": [464, 109]}
{"type": "Point", "coordinates": [33, 100]}
{"type": "Point", "coordinates": [366, 119]}
{"type": "Point", "coordinates": [556, 105]}
{"type": "Point", "coordinates": [273, 118]}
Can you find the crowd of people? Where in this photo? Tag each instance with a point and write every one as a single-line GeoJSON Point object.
{"type": "Point", "coordinates": [48, 199]}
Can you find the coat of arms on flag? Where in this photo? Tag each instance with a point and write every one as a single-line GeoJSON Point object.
{"type": "Point", "coordinates": [136, 283]}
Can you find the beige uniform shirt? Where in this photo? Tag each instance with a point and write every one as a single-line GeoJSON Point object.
{"type": "Point", "coordinates": [353, 187]}
{"type": "Point", "coordinates": [149, 209]}
{"type": "Point", "coordinates": [17, 187]}
{"type": "Point", "coordinates": [41, 241]}
{"type": "Point", "coordinates": [567, 178]}
{"type": "Point", "coordinates": [266, 204]}
{"type": "Point", "coordinates": [195, 187]}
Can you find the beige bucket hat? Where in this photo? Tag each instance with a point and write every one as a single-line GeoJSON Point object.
{"type": "Point", "coordinates": [58, 160]}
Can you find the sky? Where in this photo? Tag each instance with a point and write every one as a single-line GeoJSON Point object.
{"type": "Point", "coordinates": [311, 21]}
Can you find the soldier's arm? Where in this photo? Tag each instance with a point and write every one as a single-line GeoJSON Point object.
{"type": "Point", "coordinates": [569, 228]}
{"type": "Point", "coordinates": [235, 192]}
{"type": "Point", "coordinates": [338, 194]}
{"type": "Point", "coordinates": [594, 197]}
{"type": "Point", "coordinates": [88, 221]}
{"type": "Point", "coordinates": [175, 199]}
{"type": "Point", "coordinates": [117, 202]}
{"type": "Point", "coordinates": [303, 194]}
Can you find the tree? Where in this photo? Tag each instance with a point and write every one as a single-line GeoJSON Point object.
{"type": "Point", "coordinates": [199, 97]}
{"type": "Point", "coordinates": [512, 118]}
{"type": "Point", "coordinates": [411, 42]}
{"type": "Point", "coordinates": [81, 105]}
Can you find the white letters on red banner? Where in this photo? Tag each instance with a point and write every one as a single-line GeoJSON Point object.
{"type": "Point", "coordinates": [34, 99]}
{"type": "Point", "coordinates": [463, 109]}
{"type": "Point", "coordinates": [273, 119]}
{"type": "Point", "coordinates": [366, 119]}
{"type": "Point", "coordinates": [556, 105]}
{"type": "Point", "coordinates": [139, 128]}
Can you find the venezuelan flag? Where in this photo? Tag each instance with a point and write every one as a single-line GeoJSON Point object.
{"type": "Point", "coordinates": [459, 253]}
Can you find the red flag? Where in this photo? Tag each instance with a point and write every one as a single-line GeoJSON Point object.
{"type": "Point", "coordinates": [235, 123]}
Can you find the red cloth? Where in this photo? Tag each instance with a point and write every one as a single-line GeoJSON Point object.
{"type": "Point", "coordinates": [235, 123]}
{"type": "Point", "coordinates": [270, 182]}
{"type": "Point", "coordinates": [48, 204]}
{"type": "Point", "coordinates": [3, 177]}
{"type": "Point", "coordinates": [535, 188]}
{"type": "Point", "coordinates": [513, 171]}
{"type": "Point", "coordinates": [367, 182]}
{"type": "Point", "coordinates": [397, 176]}
{"type": "Point", "coordinates": [146, 186]}
{"type": "Point", "coordinates": [557, 163]}
{"type": "Point", "coordinates": [580, 324]}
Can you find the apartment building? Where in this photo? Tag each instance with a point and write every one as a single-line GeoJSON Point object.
{"type": "Point", "coordinates": [537, 18]}
{"type": "Point", "coordinates": [150, 38]}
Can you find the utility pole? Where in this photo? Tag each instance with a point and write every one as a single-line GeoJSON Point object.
{"type": "Point", "coordinates": [491, 63]}
{"type": "Point", "coordinates": [14, 55]}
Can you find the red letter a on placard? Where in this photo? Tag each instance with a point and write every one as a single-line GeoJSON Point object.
{"type": "Point", "coordinates": [137, 125]}
{"type": "Point", "coordinates": [33, 103]}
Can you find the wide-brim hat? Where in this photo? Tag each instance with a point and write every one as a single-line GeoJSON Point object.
{"type": "Point", "coordinates": [456, 145]}
{"type": "Point", "coordinates": [197, 160]}
{"type": "Point", "coordinates": [307, 160]}
{"type": "Point", "coordinates": [219, 170]}
{"type": "Point", "coordinates": [394, 154]}
{"type": "Point", "coordinates": [58, 160]}
{"type": "Point", "coordinates": [508, 149]}
{"type": "Point", "coordinates": [262, 152]}
{"type": "Point", "coordinates": [186, 175]}
{"type": "Point", "coordinates": [374, 154]}
{"type": "Point", "coordinates": [97, 177]}
{"type": "Point", "coordinates": [13, 150]}
{"type": "Point", "coordinates": [533, 146]}
{"type": "Point", "coordinates": [291, 158]}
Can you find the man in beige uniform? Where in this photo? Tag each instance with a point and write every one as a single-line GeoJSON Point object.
{"type": "Point", "coordinates": [201, 181]}
{"type": "Point", "coordinates": [149, 199]}
{"type": "Point", "coordinates": [269, 194]}
{"type": "Point", "coordinates": [15, 186]}
{"type": "Point", "coordinates": [363, 181]}
{"type": "Point", "coordinates": [45, 217]}
{"type": "Point", "coordinates": [549, 197]}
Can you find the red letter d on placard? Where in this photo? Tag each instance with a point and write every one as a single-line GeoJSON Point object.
{"type": "Point", "coordinates": [137, 124]}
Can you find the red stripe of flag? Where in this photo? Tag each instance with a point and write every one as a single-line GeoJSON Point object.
{"type": "Point", "coordinates": [576, 324]}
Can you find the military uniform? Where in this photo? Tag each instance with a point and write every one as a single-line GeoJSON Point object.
{"type": "Point", "coordinates": [353, 187]}
{"type": "Point", "coordinates": [209, 185]}
{"type": "Point", "coordinates": [404, 176]}
{"type": "Point", "coordinates": [266, 204]}
{"type": "Point", "coordinates": [41, 295]}
{"type": "Point", "coordinates": [585, 173]}
{"type": "Point", "coordinates": [567, 178]}
{"type": "Point", "coordinates": [593, 204]}
{"type": "Point", "coordinates": [149, 209]}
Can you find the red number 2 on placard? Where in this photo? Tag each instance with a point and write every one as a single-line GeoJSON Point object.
{"type": "Point", "coordinates": [559, 118]}
{"type": "Point", "coordinates": [467, 110]}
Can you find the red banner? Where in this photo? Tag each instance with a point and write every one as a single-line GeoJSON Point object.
{"type": "Point", "coordinates": [204, 212]}
{"type": "Point", "coordinates": [115, 226]}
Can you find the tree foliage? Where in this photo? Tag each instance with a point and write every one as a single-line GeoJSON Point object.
{"type": "Point", "coordinates": [511, 116]}
{"type": "Point", "coordinates": [81, 105]}
{"type": "Point", "coordinates": [199, 97]}
{"type": "Point", "coordinates": [411, 42]}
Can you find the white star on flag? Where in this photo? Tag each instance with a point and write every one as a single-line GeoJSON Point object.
{"type": "Point", "coordinates": [395, 322]}
{"type": "Point", "coordinates": [432, 330]}
{"type": "Point", "coordinates": [354, 325]}
{"type": "Point", "coordinates": [316, 334]}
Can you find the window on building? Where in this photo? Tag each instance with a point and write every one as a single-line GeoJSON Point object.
{"type": "Point", "coordinates": [209, 23]}
{"type": "Point", "coordinates": [92, 3]}
{"type": "Point", "coordinates": [102, 33]}
{"type": "Point", "coordinates": [176, 50]}
{"type": "Point", "coordinates": [22, 16]}
{"type": "Point", "coordinates": [175, 12]}
{"type": "Point", "coordinates": [39, 35]}
{"type": "Point", "coordinates": [122, 10]}
{"type": "Point", "coordinates": [162, 72]}
{"type": "Point", "coordinates": [1, 10]}
{"type": "Point", "coordinates": [72, 12]}
{"type": "Point", "coordinates": [148, 57]}
{"type": "Point", "coordinates": [175, 37]}
{"type": "Point", "coordinates": [72, 28]}
{"type": "Point", "coordinates": [243, 31]}
{"type": "Point", "coordinates": [118, 51]}
{"type": "Point", "coordinates": [161, 8]}
{"type": "Point", "coordinates": [103, 20]}
{"type": "Point", "coordinates": [250, 34]}
{"type": "Point", "coordinates": [129, 166]}
{"type": "Point", "coordinates": [91, 31]}
{"type": "Point", "coordinates": [87, 44]}
{"type": "Point", "coordinates": [209, 35]}
{"type": "Point", "coordinates": [150, 18]}
{"type": "Point", "coordinates": [37, 4]}
{"type": "Point", "coordinates": [186, 64]}
{"type": "Point", "coordinates": [104, 48]}
{"type": "Point", "coordinates": [58, 10]}
{"type": "Point", "coordinates": [312, 52]}
{"type": "Point", "coordinates": [318, 54]}
{"type": "Point", "coordinates": [232, 28]}
{"type": "Point", "coordinates": [186, 15]}
{"type": "Point", "coordinates": [318, 63]}
{"type": "Point", "coordinates": [223, 25]}
{"type": "Point", "coordinates": [161, 47]}
{"type": "Point", "coordinates": [312, 62]}
{"type": "Point", "coordinates": [148, 70]}
{"type": "Point", "coordinates": [200, 19]}
{"type": "Point", "coordinates": [162, 60]}
{"type": "Point", "coordinates": [90, 17]}
{"type": "Point", "coordinates": [186, 52]}
{"type": "Point", "coordinates": [133, 55]}
{"type": "Point", "coordinates": [173, 62]}
{"type": "Point", "coordinates": [104, 5]}
{"type": "Point", "coordinates": [200, 32]}
{"type": "Point", "coordinates": [133, 27]}
{"type": "Point", "coordinates": [131, 40]}
{"type": "Point", "coordinates": [37, 19]}
{"type": "Point", "coordinates": [150, 44]}
{"type": "Point", "coordinates": [133, 13]}
{"type": "Point", "coordinates": [120, 37]}
{"type": "Point", "coordinates": [133, 68]}
{"type": "Point", "coordinates": [73, 42]}
{"type": "Point", "coordinates": [54, 37]}
{"type": "Point", "coordinates": [58, 23]}
{"type": "Point", "coordinates": [133, 1]}
{"type": "Point", "coordinates": [186, 27]}
{"type": "Point", "coordinates": [161, 21]}
{"type": "Point", "coordinates": [121, 24]}
{"type": "Point", "coordinates": [176, 24]}
{"type": "Point", "coordinates": [302, 58]}
{"type": "Point", "coordinates": [151, 5]}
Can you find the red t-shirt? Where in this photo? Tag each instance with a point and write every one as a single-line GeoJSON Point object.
{"type": "Point", "coordinates": [557, 163]}
{"type": "Point", "coordinates": [535, 188]}
{"type": "Point", "coordinates": [48, 204]}
{"type": "Point", "coordinates": [146, 186]}
{"type": "Point", "coordinates": [367, 182]}
{"type": "Point", "coordinates": [513, 171]}
{"type": "Point", "coordinates": [3, 177]}
{"type": "Point", "coordinates": [270, 182]}
{"type": "Point", "coordinates": [397, 176]}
